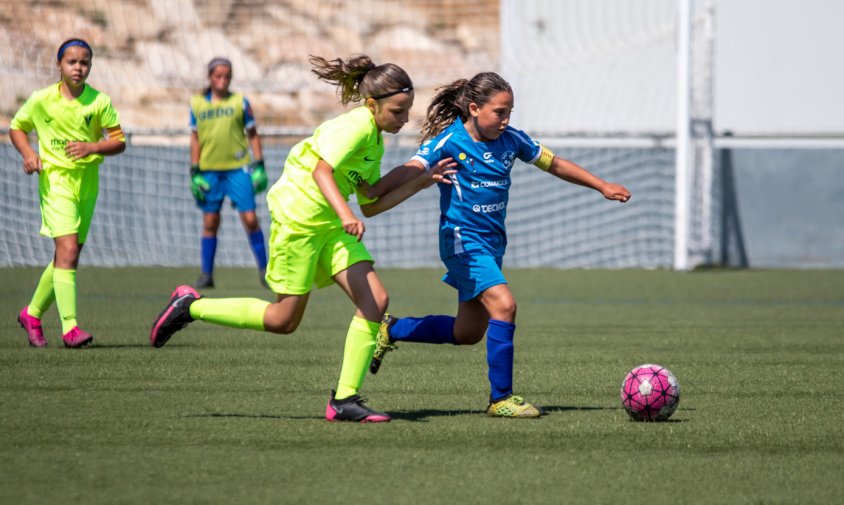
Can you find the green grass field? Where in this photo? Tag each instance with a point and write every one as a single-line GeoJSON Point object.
{"type": "Point", "coordinates": [226, 416]}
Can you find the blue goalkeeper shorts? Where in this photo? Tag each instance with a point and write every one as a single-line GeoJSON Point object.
{"type": "Point", "coordinates": [472, 274]}
{"type": "Point", "coordinates": [236, 184]}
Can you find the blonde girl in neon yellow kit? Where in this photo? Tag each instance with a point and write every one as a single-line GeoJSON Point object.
{"type": "Point", "coordinates": [77, 126]}
{"type": "Point", "coordinates": [315, 238]}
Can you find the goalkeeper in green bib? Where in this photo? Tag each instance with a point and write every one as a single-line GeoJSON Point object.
{"type": "Point", "coordinates": [222, 131]}
{"type": "Point", "coordinates": [77, 127]}
{"type": "Point", "coordinates": [315, 238]}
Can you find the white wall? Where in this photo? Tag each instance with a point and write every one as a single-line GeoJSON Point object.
{"type": "Point", "coordinates": [779, 65]}
{"type": "Point", "coordinates": [609, 65]}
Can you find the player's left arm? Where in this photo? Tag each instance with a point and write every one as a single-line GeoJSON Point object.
{"type": "Point", "coordinates": [257, 172]}
{"type": "Point", "coordinates": [439, 173]}
{"type": "Point", "coordinates": [113, 143]}
{"type": "Point", "coordinates": [570, 171]}
{"type": "Point", "coordinates": [395, 178]}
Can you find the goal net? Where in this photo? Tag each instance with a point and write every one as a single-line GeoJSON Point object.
{"type": "Point", "coordinates": [594, 80]}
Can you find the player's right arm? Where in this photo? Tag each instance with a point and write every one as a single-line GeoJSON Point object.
{"type": "Point", "coordinates": [198, 185]}
{"type": "Point", "coordinates": [324, 177]}
{"type": "Point", "coordinates": [31, 160]}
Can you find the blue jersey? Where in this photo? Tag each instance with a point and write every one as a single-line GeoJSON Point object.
{"type": "Point", "coordinates": [474, 206]}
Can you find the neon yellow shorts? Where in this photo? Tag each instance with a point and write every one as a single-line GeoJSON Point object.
{"type": "Point", "coordinates": [68, 198]}
{"type": "Point", "coordinates": [300, 259]}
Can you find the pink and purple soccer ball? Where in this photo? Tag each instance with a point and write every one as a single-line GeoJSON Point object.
{"type": "Point", "coordinates": [650, 393]}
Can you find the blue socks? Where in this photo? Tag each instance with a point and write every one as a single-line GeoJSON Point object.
{"type": "Point", "coordinates": [428, 330]}
{"type": "Point", "coordinates": [499, 358]}
{"type": "Point", "coordinates": [256, 242]}
{"type": "Point", "coordinates": [440, 330]}
{"type": "Point", "coordinates": [208, 250]}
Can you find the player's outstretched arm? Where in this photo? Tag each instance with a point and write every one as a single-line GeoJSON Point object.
{"type": "Point", "coordinates": [574, 173]}
{"type": "Point", "coordinates": [425, 178]}
{"type": "Point", "coordinates": [395, 178]}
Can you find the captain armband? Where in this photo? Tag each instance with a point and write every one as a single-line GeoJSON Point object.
{"type": "Point", "coordinates": [116, 133]}
{"type": "Point", "coordinates": [543, 161]}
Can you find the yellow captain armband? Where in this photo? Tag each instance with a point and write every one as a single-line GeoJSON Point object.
{"type": "Point", "coordinates": [545, 158]}
{"type": "Point", "coordinates": [116, 133]}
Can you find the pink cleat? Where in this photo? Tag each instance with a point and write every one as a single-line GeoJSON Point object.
{"type": "Point", "coordinates": [174, 317]}
{"type": "Point", "coordinates": [77, 337]}
{"type": "Point", "coordinates": [353, 409]}
{"type": "Point", "coordinates": [32, 325]}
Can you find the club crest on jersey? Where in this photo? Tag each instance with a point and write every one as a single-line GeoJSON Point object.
{"type": "Point", "coordinates": [507, 158]}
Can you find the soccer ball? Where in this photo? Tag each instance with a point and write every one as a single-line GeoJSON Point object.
{"type": "Point", "coordinates": [650, 393]}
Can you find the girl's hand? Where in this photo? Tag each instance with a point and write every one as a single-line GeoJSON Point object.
{"type": "Point", "coordinates": [77, 150]}
{"type": "Point", "coordinates": [440, 172]}
{"type": "Point", "coordinates": [615, 192]}
{"type": "Point", "coordinates": [367, 189]}
{"type": "Point", "coordinates": [31, 164]}
{"type": "Point", "coordinates": [354, 226]}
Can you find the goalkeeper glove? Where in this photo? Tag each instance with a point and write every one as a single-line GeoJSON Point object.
{"type": "Point", "coordinates": [198, 185]}
{"type": "Point", "coordinates": [258, 175]}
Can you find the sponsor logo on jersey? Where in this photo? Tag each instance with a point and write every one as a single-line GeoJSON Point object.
{"type": "Point", "coordinates": [486, 209]}
{"type": "Point", "coordinates": [215, 113]}
{"type": "Point", "coordinates": [88, 119]}
{"type": "Point", "coordinates": [490, 184]}
{"type": "Point", "coordinates": [488, 157]}
{"type": "Point", "coordinates": [355, 177]}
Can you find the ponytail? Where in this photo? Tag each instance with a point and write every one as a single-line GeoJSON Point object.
{"type": "Point", "coordinates": [445, 108]}
{"type": "Point", "coordinates": [358, 78]}
{"type": "Point", "coordinates": [452, 101]}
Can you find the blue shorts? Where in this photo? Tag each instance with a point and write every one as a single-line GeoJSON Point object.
{"type": "Point", "coordinates": [472, 274]}
{"type": "Point", "coordinates": [236, 184]}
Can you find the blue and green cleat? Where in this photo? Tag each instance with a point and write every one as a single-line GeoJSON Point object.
{"type": "Point", "coordinates": [383, 344]}
{"type": "Point", "coordinates": [513, 406]}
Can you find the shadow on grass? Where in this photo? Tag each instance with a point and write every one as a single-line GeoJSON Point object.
{"type": "Point", "coordinates": [250, 416]}
{"type": "Point", "coordinates": [421, 415]}
{"type": "Point", "coordinates": [94, 347]}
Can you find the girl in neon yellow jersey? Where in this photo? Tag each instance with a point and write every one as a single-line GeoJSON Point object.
{"type": "Point", "coordinates": [315, 237]}
{"type": "Point", "coordinates": [77, 126]}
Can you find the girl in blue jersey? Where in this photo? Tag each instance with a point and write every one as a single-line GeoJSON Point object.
{"type": "Point", "coordinates": [222, 131]}
{"type": "Point", "coordinates": [469, 122]}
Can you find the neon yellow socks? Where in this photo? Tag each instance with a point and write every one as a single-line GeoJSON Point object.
{"type": "Point", "coordinates": [231, 312]}
{"type": "Point", "coordinates": [64, 287]}
{"type": "Point", "coordinates": [44, 294]}
{"type": "Point", "coordinates": [360, 344]}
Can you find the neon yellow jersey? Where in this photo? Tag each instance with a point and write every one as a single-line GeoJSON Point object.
{"type": "Point", "coordinates": [58, 121]}
{"type": "Point", "coordinates": [352, 145]}
{"type": "Point", "coordinates": [220, 128]}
